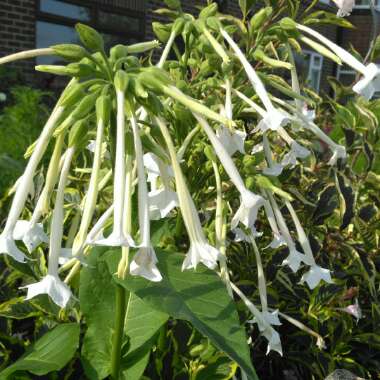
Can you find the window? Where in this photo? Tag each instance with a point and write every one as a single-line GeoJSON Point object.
{"type": "Point", "coordinates": [314, 63]}
{"type": "Point", "coordinates": [346, 75]}
{"type": "Point", "coordinates": [56, 20]}
{"type": "Point", "coordinates": [365, 4]}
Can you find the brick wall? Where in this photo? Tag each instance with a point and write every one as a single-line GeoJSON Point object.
{"type": "Point", "coordinates": [17, 30]}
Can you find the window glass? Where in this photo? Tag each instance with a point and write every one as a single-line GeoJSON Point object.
{"type": "Point", "coordinates": [48, 34]}
{"type": "Point", "coordinates": [61, 8]}
{"type": "Point", "coordinates": [119, 21]}
{"type": "Point", "coordinates": [313, 63]}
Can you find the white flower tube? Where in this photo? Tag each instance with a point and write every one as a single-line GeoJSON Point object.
{"type": "Point", "coordinates": [117, 237]}
{"type": "Point", "coordinates": [295, 258]}
{"type": "Point", "coordinates": [145, 260]}
{"type": "Point", "coordinates": [345, 7]}
{"type": "Point", "coordinates": [51, 283]}
{"type": "Point", "coordinates": [7, 244]}
{"type": "Point", "coordinates": [370, 83]}
{"type": "Point", "coordinates": [250, 202]}
{"type": "Point", "coordinates": [272, 336]}
{"type": "Point", "coordinates": [274, 116]}
{"type": "Point", "coordinates": [316, 273]}
{"type": "Point", "coordinates": [200, 250]}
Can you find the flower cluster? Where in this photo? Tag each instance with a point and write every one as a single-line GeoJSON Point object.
{"type": "Point", "coordinates": [126, 104]}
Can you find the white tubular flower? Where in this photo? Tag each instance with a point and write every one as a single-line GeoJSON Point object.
{"type": "Point", "coordinates": [296, 151]}
{"type": "Point", "coordinates": [265, 328]}
{"type": "Point", "coordinates": [274, 168]}
{"type": "Point", "coordinates": [316, 273]}
{"type": "Point", "coordinates": [354, 310]}
{"type": "Point", "coordinates": [117, 237]}
{"type": "Point", "coordinates": [145, 260]}
{"type": "Point", "coordinates": [200, 250]}
{"type": "Point", "coordinates": [51, 284]}
{"type": "Point", "coordinates": [271, 119]}
{"type": "Point", "coordinates": [7, 244]}
{"type": "Point", "coordinates": [161, 200]}
{"type": "Point", "coordinates": [368, 85]}
{"type": "Point", "coordinates": [295, 258]}
{"type": "Point", "coordinates": [274, 117]}
{"type": "Point", "coordinates": [250, 202]}
{"type": "Point", "coordinates": [32, 234]}
{"type": "Point", "coordinates": [240, 235]}
{"type": "Point", "coordinates": [278, 240]}
{"type": "Point", "coordinates": [97, 230]}
{"type": "Point", "coordinates": [345, 7]}
{"type": "Point", "coordinates": [233, 141]}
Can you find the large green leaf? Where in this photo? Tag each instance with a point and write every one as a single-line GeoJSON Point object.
{"type": "Point", "coordinates": [199, 297]}
{"type": "Point", "coordinates": [50, 353]}
{"type": "Point", "coordinates": [97, 298]}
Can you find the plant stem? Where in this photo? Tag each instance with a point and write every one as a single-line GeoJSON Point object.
{"type": "Point", "coordinates": [118, 334]}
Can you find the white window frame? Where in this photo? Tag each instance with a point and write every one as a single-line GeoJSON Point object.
{"type": "Point", "coordinates": [367, 6]}
{"type": "Point", "coordinates": [313, 66]}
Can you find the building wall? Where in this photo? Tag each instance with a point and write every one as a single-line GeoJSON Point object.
{"type": "Point", "coordinates": [17, 30]}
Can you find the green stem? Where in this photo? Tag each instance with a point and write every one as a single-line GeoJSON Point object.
{"type": "Point", "coordinates": [118, 334]}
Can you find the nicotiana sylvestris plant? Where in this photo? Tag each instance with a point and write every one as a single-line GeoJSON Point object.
{"type": "Point", "coordinates": [139, 123]}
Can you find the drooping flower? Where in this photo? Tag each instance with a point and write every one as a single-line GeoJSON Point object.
{"type": "Point", "coordinates": [370, 83]}
{"type": "Point", "coordinates": [296, 151]}
{"type": "Point", "coordinates": [274, 117]}
{"type": "Point", "coordinates": [315, 275]}
{"type": "Point", "coordinates": [354, 310]}
{"type": "Point", "coordinates": [345, 7]}
{"type": "Point", "coordinates": [32, 234]}
{"type": "Point", "coordinates": [233, 141]}
{"type": "Point", "coordinates": [51, 284]}
{"type": "Point", "coordinates": [7, 244]}
{"type": "Point", "coordinates": [200, 250]}
{"type": "Point", "coordinates": [117, 238]}
{"type": "Point", "coordinates": [145, 260]}
{"type": "Point", "coordinates": [250, 202]}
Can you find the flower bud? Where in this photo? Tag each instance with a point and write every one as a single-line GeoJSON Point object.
{"type": "Point", "coordinates": [288, 24]}
{"type": "Point", "coordinates": [84, 106]}
{"type": "Point", "coordinates": [259, 18]}
{"type": "Point", "coordinates": [209, 11]}
{"type": "Point", "coordinates": [77, 132]}
{"type": "Point", "coordinates": [178, 25]}
{"type": "Point", "coordinates": [121, 80]}
{"type": "Point", "coordinates": [173, 4]}
{"type": "Point", "coordinates": [90, 38]}
{"type": "Point", "coordinates": [117, 52]}
{"type": "Point", "coordinates": [209, 152]}
{"type": "Point", "coordinates": [71, 52]}
{"type": "Point", "coordinates": [103, 108]}
{"type": "Point", "coordinates": [161, 31]}
{"type": "Point", "coordinates": [72, 95]}
{"type": "Point", "coordinates": [142, 47]}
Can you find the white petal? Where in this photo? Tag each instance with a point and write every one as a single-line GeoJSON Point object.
{"type": "Point", "coordinates": [91, 146]}
{"type": "Point", "coordinates": [115, 240]}
{"type": "Point", "coordinates": [8, 247]}
{"type": "Point", "coordinates": [51, 285]}
{"type": "Point", "coordinates": [370, 83]}
{"type": "Point", "coordinates": [257, 148]}
{"type": "Point", "coordinates": [161, 202]}
{"type": "Point", "coordinates": [274, 340]}
{"type": "Point", "coordinates": [31, 234]}
{"type": "Point", "coordinates": [201, 252]}
{"type": "Point", "coordinates": [144, 265]}
{"type": "Point", "coordinates": [315, 275]}
{"type": "Point", "coordinates": [232, 140]}
{"type": "Point", "coordinates": [299, 150]}
{"type": "Point", "coordinates": [294, 260]}
{"type": "Point", "coordinates": [247, 212]}
{"type": "Point", "coordinates": [275, 170]}
{"type": "Point", "coordinates": [271, 317]}
{"type": "Point", "coordinates": [339, 151]}
{"type": "Point", "coordinates": [277, 242]}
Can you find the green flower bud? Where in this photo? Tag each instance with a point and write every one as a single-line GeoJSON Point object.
{"type": "Point", "coordinates": [121, 80]}
{"type": "Point", "coordinates": [209, 152]}
{"type": "Point", "coordinates": [72, 95]}
{"type": "Point", "coordinates": [103, 108]}
{"type": "Point", "coordinates": [173, 4]}
{"type": "Point", "coordinates": [213, 23]}
{"type": "Point", "coordinates": [71, 52]}
{"type": "Point", "coordinates": [84, 106]}
{"type": "Point", "coordinates": [209, 11]}
{"type": "Point", "coordinates": [117, 52]}
{"type": "Point", "coordinates": [53, 69]}
{"type": "Point", "coordinates": [178, 25]}
{"type": "Point", "coordinates": [260, 17]}
{"type": "Point", "coordinates": [78, 132]}
{"type": "Point", "coordinates": [161, 31]}
{"type": "Point", "coordinates": [138, 88]}
{"type": "Point", "coordinates": [288, 24]}
{"type": "Point", "coordinates": [154, 78]}
{"type": "Point", "coordinates": [142, 47]}
{"type": "Point", "coordinates": [90, 38]}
